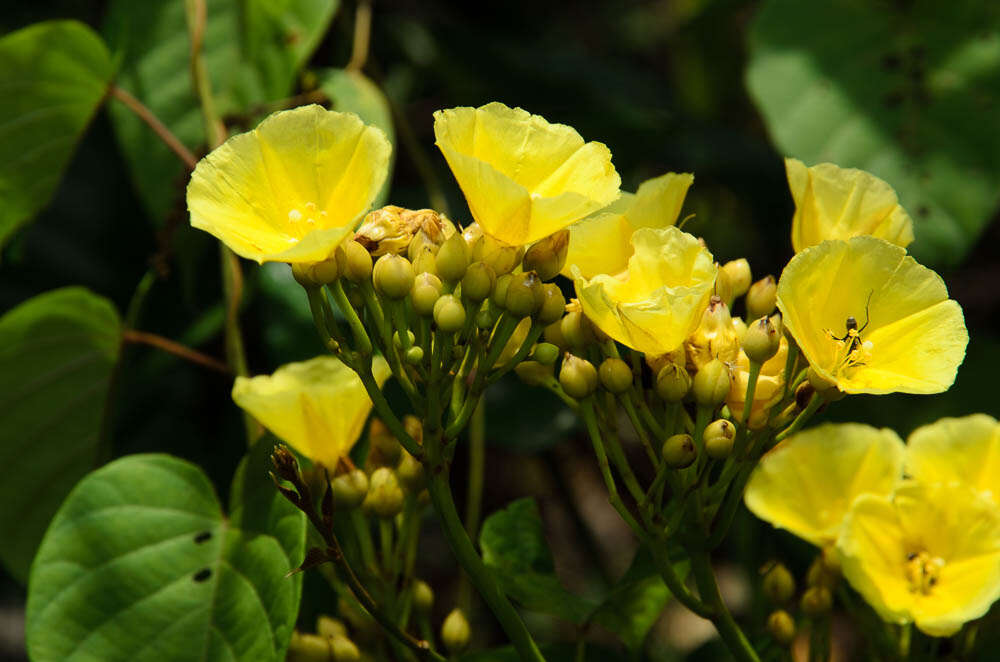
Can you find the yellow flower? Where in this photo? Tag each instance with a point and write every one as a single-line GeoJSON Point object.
{"type": "Point", "coordinates": [929, 554]}
{"type": "Point", "coordinates": [872, 320]}
{"type": "Point", "coordinates": [715, 337]}
{"type": "Point", "coordinates": [317, 406]}
{"type": "Point", "coordinates": [807, 483]}
{"type": "Point", "coordinates": [293, 188]}
{"type": "Point", "coordinates": [657, 302]}
{"type": "Point", "coordinates": [839, 203]}
{"type": "Point", "coordinates": [599, 244]}
{"type": "Point", "coordinates": [523, 177]}
{"type": "Point", "coordinates": [957, 450]}
{"type": "Point", "coordinates": [767, 392]}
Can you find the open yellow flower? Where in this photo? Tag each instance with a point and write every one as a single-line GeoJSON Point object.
{"type": "Point", "coordinates": [871, 319]}
{"type": "Point", "coordinates": [523, 177]}
{"type": "Point", "coordinates": [293, 188]}
{"type": "Point", "coordinates": [657, 302]}
{"type": "Point", "coordinates": [957, 450]}
{"type": "Point", "coordinates": [599, 244]}
{"type": "Point", "coordinates": [929, 554]}
{"type": "Point", "coordinates": [839, 203]}
{"type": "Point", "coordinates": [807, 483]}
{"type": "Point", "coordinates": [317, 406]}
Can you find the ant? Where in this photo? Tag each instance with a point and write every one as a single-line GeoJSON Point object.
{"type": "Point", "coordinates": [853, 332]}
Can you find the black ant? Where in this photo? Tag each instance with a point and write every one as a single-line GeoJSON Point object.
{"type": "Point", "coordinates": [853, 332]}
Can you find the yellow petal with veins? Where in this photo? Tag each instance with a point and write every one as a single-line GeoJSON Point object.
{"type": "Point", "coordinates": [957, 450]}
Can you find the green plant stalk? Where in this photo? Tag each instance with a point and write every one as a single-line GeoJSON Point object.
{"type": "Point", "coordinates": [363, 344]}
{"type": "Point", "coordinates": [522, 353]}
{"type": "Point", "coordinates": [364, 537]}
{"type": "Point", "coordinates": [474, 493]}
{"type": "Point", "coordinates": [729, 631]}
{"type": "Point", "coordinates": [752, 378]}
{"type": "Point", "coordinates": [814, 403]}
{"type": "Point", "coordinates": [640, 430]}
{"type": "Point", "coordinates": [385, 412]}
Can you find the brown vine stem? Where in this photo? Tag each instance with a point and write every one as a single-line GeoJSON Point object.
{"type": "Point", "coordinates": [154, 123]}
{"type": "Point", "coordinates": [362, 36]}
{"type": "Point", "coordinates": [175, 348]}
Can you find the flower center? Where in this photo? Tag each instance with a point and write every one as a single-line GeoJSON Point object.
{"type": "Point", "coordinates": [922, 571]}
{"type": "Point", "coordinates": [302, 219]}
{"type": "Point", "coordinates": [852, 350]}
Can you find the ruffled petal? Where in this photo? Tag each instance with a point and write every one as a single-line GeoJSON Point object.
{"type": "Point", "coordinates": [957, 450]}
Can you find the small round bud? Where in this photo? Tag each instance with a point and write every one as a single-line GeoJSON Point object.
{"type": "Point", "coordinates": [524, 294]}
{"type": "Point", "coordinates": [303, 276]}
{"type": "Point", "coordinates": [397, 341]}
{"type": "Point", "coordinates": [453, 258]}
{"type": "Point", "coordinates": [739, 276]}
{"type": "Point", "coordinates": [616, 375]}
{"type": "Point", "coordinates": [385, 449]}
{"type": "Point", "coordinates": [393, 276]}
{"type": "Point", "coordinates": [415, 428]}
{"type": "Point", "coordinates": [499, 295]}
{"type": "Point", "coordinates": [344, 650]}
{"type": "Point", "coordinates": [576, 330]}
{"type": "Point", "coordinates": [679, 451]}
{"type": "Point", "coordinates": [816, 601]}
{"type": "Point", "coordinates": [423, 596]}
{"type": "Point", "coordinates": [761, 341]}
{"type": "Point", "coordinates": [424, 261]}
{"type": "Point", "coordinates": [502, 257]}
{"type": "Point", "coordinates": [478, 282]}
{"type": "Point", "coordinates": [718, 438]}
{"type": "Point", "coordinates": [553, 304]}
{"type": "Point", "coordinates": [545, 353]}
{"type": "Point", "coordinates": [778, 584]}
{"type": "Point", "coordinates": [414, 355]}
{"type": "Point", "coordinates": [349, 490]}
{"type": "Point", "coordinates": [357, 261]}
{"type": "Point", "coordinates": [455, 631]}
{"type": "Point", "coordinates": [425, 293]}
{"type": "Point", "coordinates": [553, 334]}
{"type": "Point", "coordinates": [821, 384]}
{"type": "Point", "coordinates": [547, 256]}
{"type": "Point", "coordinates": [577, 376]}
{"type": "Point", "coordinates": [411, 474]}
{"type": "Point", "coordinates": [328, 626]}
{"type": "Point", "coordinates": [484, 319]}
{"type": "Point", "coordinates": [534, 373]}
{"type": "Point", "coordinates": [761, 298]}
{"type": "Point", "coordinates": [672, 382]}
{"type": "Point", "coordinates": [781, 627]}
{"type": "Point", "coordinates": [821, 574]}
{"type": "Point", "coordinates": [325, 272]}
{"type": "Point", "coordinates": [449, 314]}
{"type": "Point", "coordinates": [711, 384]}
{"type": "Point", "coordinates": [385, 496]}
{"type": "Point", "coordinates": [305, 647]}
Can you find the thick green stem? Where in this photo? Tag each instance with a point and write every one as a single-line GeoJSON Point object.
{"type": "Point", "coordinates": [730, 632]}
{"type": "Point", "coordinates": [802, 418]}
{"type": "Point", "coordinates": [474, 494]}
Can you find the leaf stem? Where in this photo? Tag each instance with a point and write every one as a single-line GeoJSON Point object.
{"type": "Point", "coordinates": [153, 122]}
{"type": "Point", "coordinates": [175, 348]}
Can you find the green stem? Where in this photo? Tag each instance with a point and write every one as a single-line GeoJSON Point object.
{"type": "Point", "coordinates": [384, 411]}
{"type": "Point", "coordinates": [800, 420]}
{"type": "Point", "coordinates": [751, 390]}
{"type": "Point", "coordinates": [364, 537]}
{"type": "Point", "coordinates": [640, 430]}
{"type": "Point", "coordinates": [236, 358]}
{"type": "Point", "coordinates": [361, 340]}
{"type": "Point", "coordinates": [522, 352]}
{"type": "Point", "coordinates": [730, 632]}
{"type": "Point", "coordinates": [474, 494]}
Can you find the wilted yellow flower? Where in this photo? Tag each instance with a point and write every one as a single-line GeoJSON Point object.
{"type": "Point", "coordinates": [523, 177]}
{"type": "Point", "coordinates": [599, 244]}
{"type": "Point", "coordinates": [871, 319]}
{"type": "Point", "coordinates": [767, 392]}
{"type": "Point", "coordinates": [317, 406]}
{"type": "Point", "coordinates": [929, 554]}
{"type": "Point", "coordinates": [402, 231]}
{"type": "Point", "coordinates": [839, 203]}
{"type": "Point", "coordinates": [293, 188]}
{"type": "Point", "coordinates": [807, 483]}
{"type": "Point", "coordinates": [657, 302]}
{"type": "Point", "coordinates": [957, 450]}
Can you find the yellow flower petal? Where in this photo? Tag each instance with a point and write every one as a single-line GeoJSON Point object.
{"type": "Point", "coordinates": [318, 406]}
{"type": "Point", "coordinates": [657, 302]}
{"type": "Point", "coordinates": [839, 203]}
{"type": "Point", "coordinates": [293, 188]}
{"type": "Point", "coordinates": [957, 450]}
{"type": "Point", "coordinates": [915, 336]}
{"type": "Point", "coordinates": [807, 483]}
{"type": "Point", "coordinates": [599, 244]}
{"type": "Point", "coordinates": [523, 177]}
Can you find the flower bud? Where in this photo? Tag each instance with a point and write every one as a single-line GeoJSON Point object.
{"type": "Point", "coordinates": [425, 293]}
{"type": "Point", "coordinates": [711, 384]}
{"type": "Point", "coordinates": [822, 574]}
{"type": "Point", "coordinates": [397, 340]}
{"type": "Point", "coordinates": [452, 259]}
{"type": "Point", "coordinates": [778, 584]}
{"type": "Point", "coordinates": [672, 382]}
{"type": "Point", "coordinates": [414, 355]}
{"type": "Point", "coordinates": [455, 631]}
{"type": "Point", "coordinates": [423, 596]}
{"type": "Point", "coordinates": [616, 375]}
{"type": "Point", "coordinates": [327, 626]}
{"type": "Point", "coordinates": [553, 335]}
{"type": "Point", "coordinates": [803, 394]}
{"type": "Point", "coordinates": [424, 261]}
{"type": "Point", "coordinates": [553, 304]}
{"type": "Point", "coordinates": [576, 330]}
{"type": "Point", "coordinates": [781, 627]}
{"type": "Point", "coordinates": [502, 257]}
{"type": "Point", "coordinates": [679, 451]}
{"type": "Point", "coordinates": [534, 373]}
{"type": "Point", "coordinates": [715, 337]}
{"type": "Point", "coordinates": [816, 601]}
{"type": "Point", "coordinates": [545, 353]}
{"type": "Point", "coordinates": [349, 490]}
{"type": "Point", "coordinates": [325, 272]}
{"type": "Point", "coordinates": [738, 279]}
{"type": "Point", "coordinates": [478, 282]}
{"type": "Point", "coordinates": [718, 438]}
{"type": "Point", "coordinates": [415, 428]}
{"type": "Point", "coordinates": [393, 229]}
{"type": "Point", "coordinates": [499, 295]}
{"type": "Point", "coordinates": [761, 298]}
{"type": "Point", "coordinates": [449, 314]}
{"type": "Point", "coordinates": [305, 647]}
{"type": "Point", "coordinates": [485, 319]}
{"type": "Point", "coordinates": [524, 294]}
{"type": "Point", "coordinates": [577, 376]}
{"type": "Point", "coordinates": [384, 448]}
{"type": "Point", "coordinates": [393, 276]}
{"type": "Point", "coordinates": [411, 474]}
{"type": "Point", "coordinates": [761, 341]}
{"type": "Point", "coordinates": [548, 256]}
{"type": "Point", "coordinates": [357, 262]}
{"type": "Point", "coordinates": [286, 466]}
{"type": "Point", "coordinates": [303, 276]}
{"type": "Point", "coordinates": [344, 650]}
{"type": "Point", "coordinates": [826, 387]}
{"type": "Point", "coordinates": [385, 497]}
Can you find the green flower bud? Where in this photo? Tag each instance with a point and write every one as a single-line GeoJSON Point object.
{"type": "Point", "coordinates": [328, 626]}
{"type": "Point", "coordinates": [778, 584]}
{"type": "Point", "coordinates": [524, 294]}
{"type": "Point", "coordinates": [424, 261]}
{"type": "Point", "coordinates": [672, 382]}
{"type": "Point", "coordinates": [577, 376]}
{"type": "Point", "coordinates": [414, 355]}
{"type": "Point", "coordinates": [325, 272]}
{"type": "Point", "coordinates": [553, 304]}
{"type": "Point", "coordinates": [616, 375]}
{"type": "Point", "coordinates": [819, 384]}
{"type": "Point", "coordinates": [781, 627]}
{"type": "Point", "coordinates": [385, 496]}
{"type": "Point", "coordinates": [485, 319]}
{"type": "Point", "coordinates": [545, 353]}
{"type": "Point", "coordinates": [305, 647]}
{"type": "Point", "coordinates": [302, 276]}
{"type": "Point", "coordinates": [761, 298]}
{"type": "Point", "coordinates": [398, 342]}
{"type": "Point", "coordinates": [739, 278]}
{"type": "Point", "coordinates": [449, 314]}
{"type": "Point", "coordinates": [534, 373]}
{"type": "Point", "coordinates": [357, 261]}
{"type": "Point", "coordinates": [455, 631]}
{"type": "Point", "coordinates": [679, 451]}
{"type": "Point", "coordinates": [576, 330]}
{"type": "Point", "coordinates": [393, 276]}
{"type": "Point", "coordinates": [344, 650]}
{"type": "Point", "coordinates": [499, 295]}
{"type": "Point", "coordinates": [548, 256]}
{"type": "Point", "coordinates": [349, 490]}
{"type": "Point", "coordinates": [822, 574]}
{"type": "Point", "coordinates": [718, 438]}
{"type": "Point", "coordinates": [411, 474]}
{"type": "Point", "coordinates": [816, 601]}
{"type": "Point", "coordinates": [384, 448]}
{"type": "Point", "coordinates": [453, 258]}
{"type": "Point", "coordinates": [423, 596]}
{"type": "Point", "coordinates": [711, 384]}
{"type": "Point", "coordinates": [502, 257]}
{"type": "Point", "coordinates": [553, 335]}
{"type": "Point", "coordinates": [478, 282]}
{"type": "Point", "coordinates": [761, 341]}
{"type": "Point", "coordinates": [415, 428]}
{"type": "Point", "coordinates": [425, 293]}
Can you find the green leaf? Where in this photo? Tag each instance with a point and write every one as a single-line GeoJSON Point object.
{"type": "Point", "coordinates": [514, 548]}
{"type": "Point", "coordinates": [352, 91]}
{"type": "Point", "coordinates": [57, 355]}
{"type": "Point", "coordinates": [53, 76]}
{"type": "Point", "coordinates": [908, 91]}
{"type": "Point", "coordinates": [140, 564]}
{"type": "Point", "coordinates": [253, 50]}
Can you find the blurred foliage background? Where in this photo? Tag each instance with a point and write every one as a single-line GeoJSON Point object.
{"type": "Point", "coordinates": [720, 88]}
